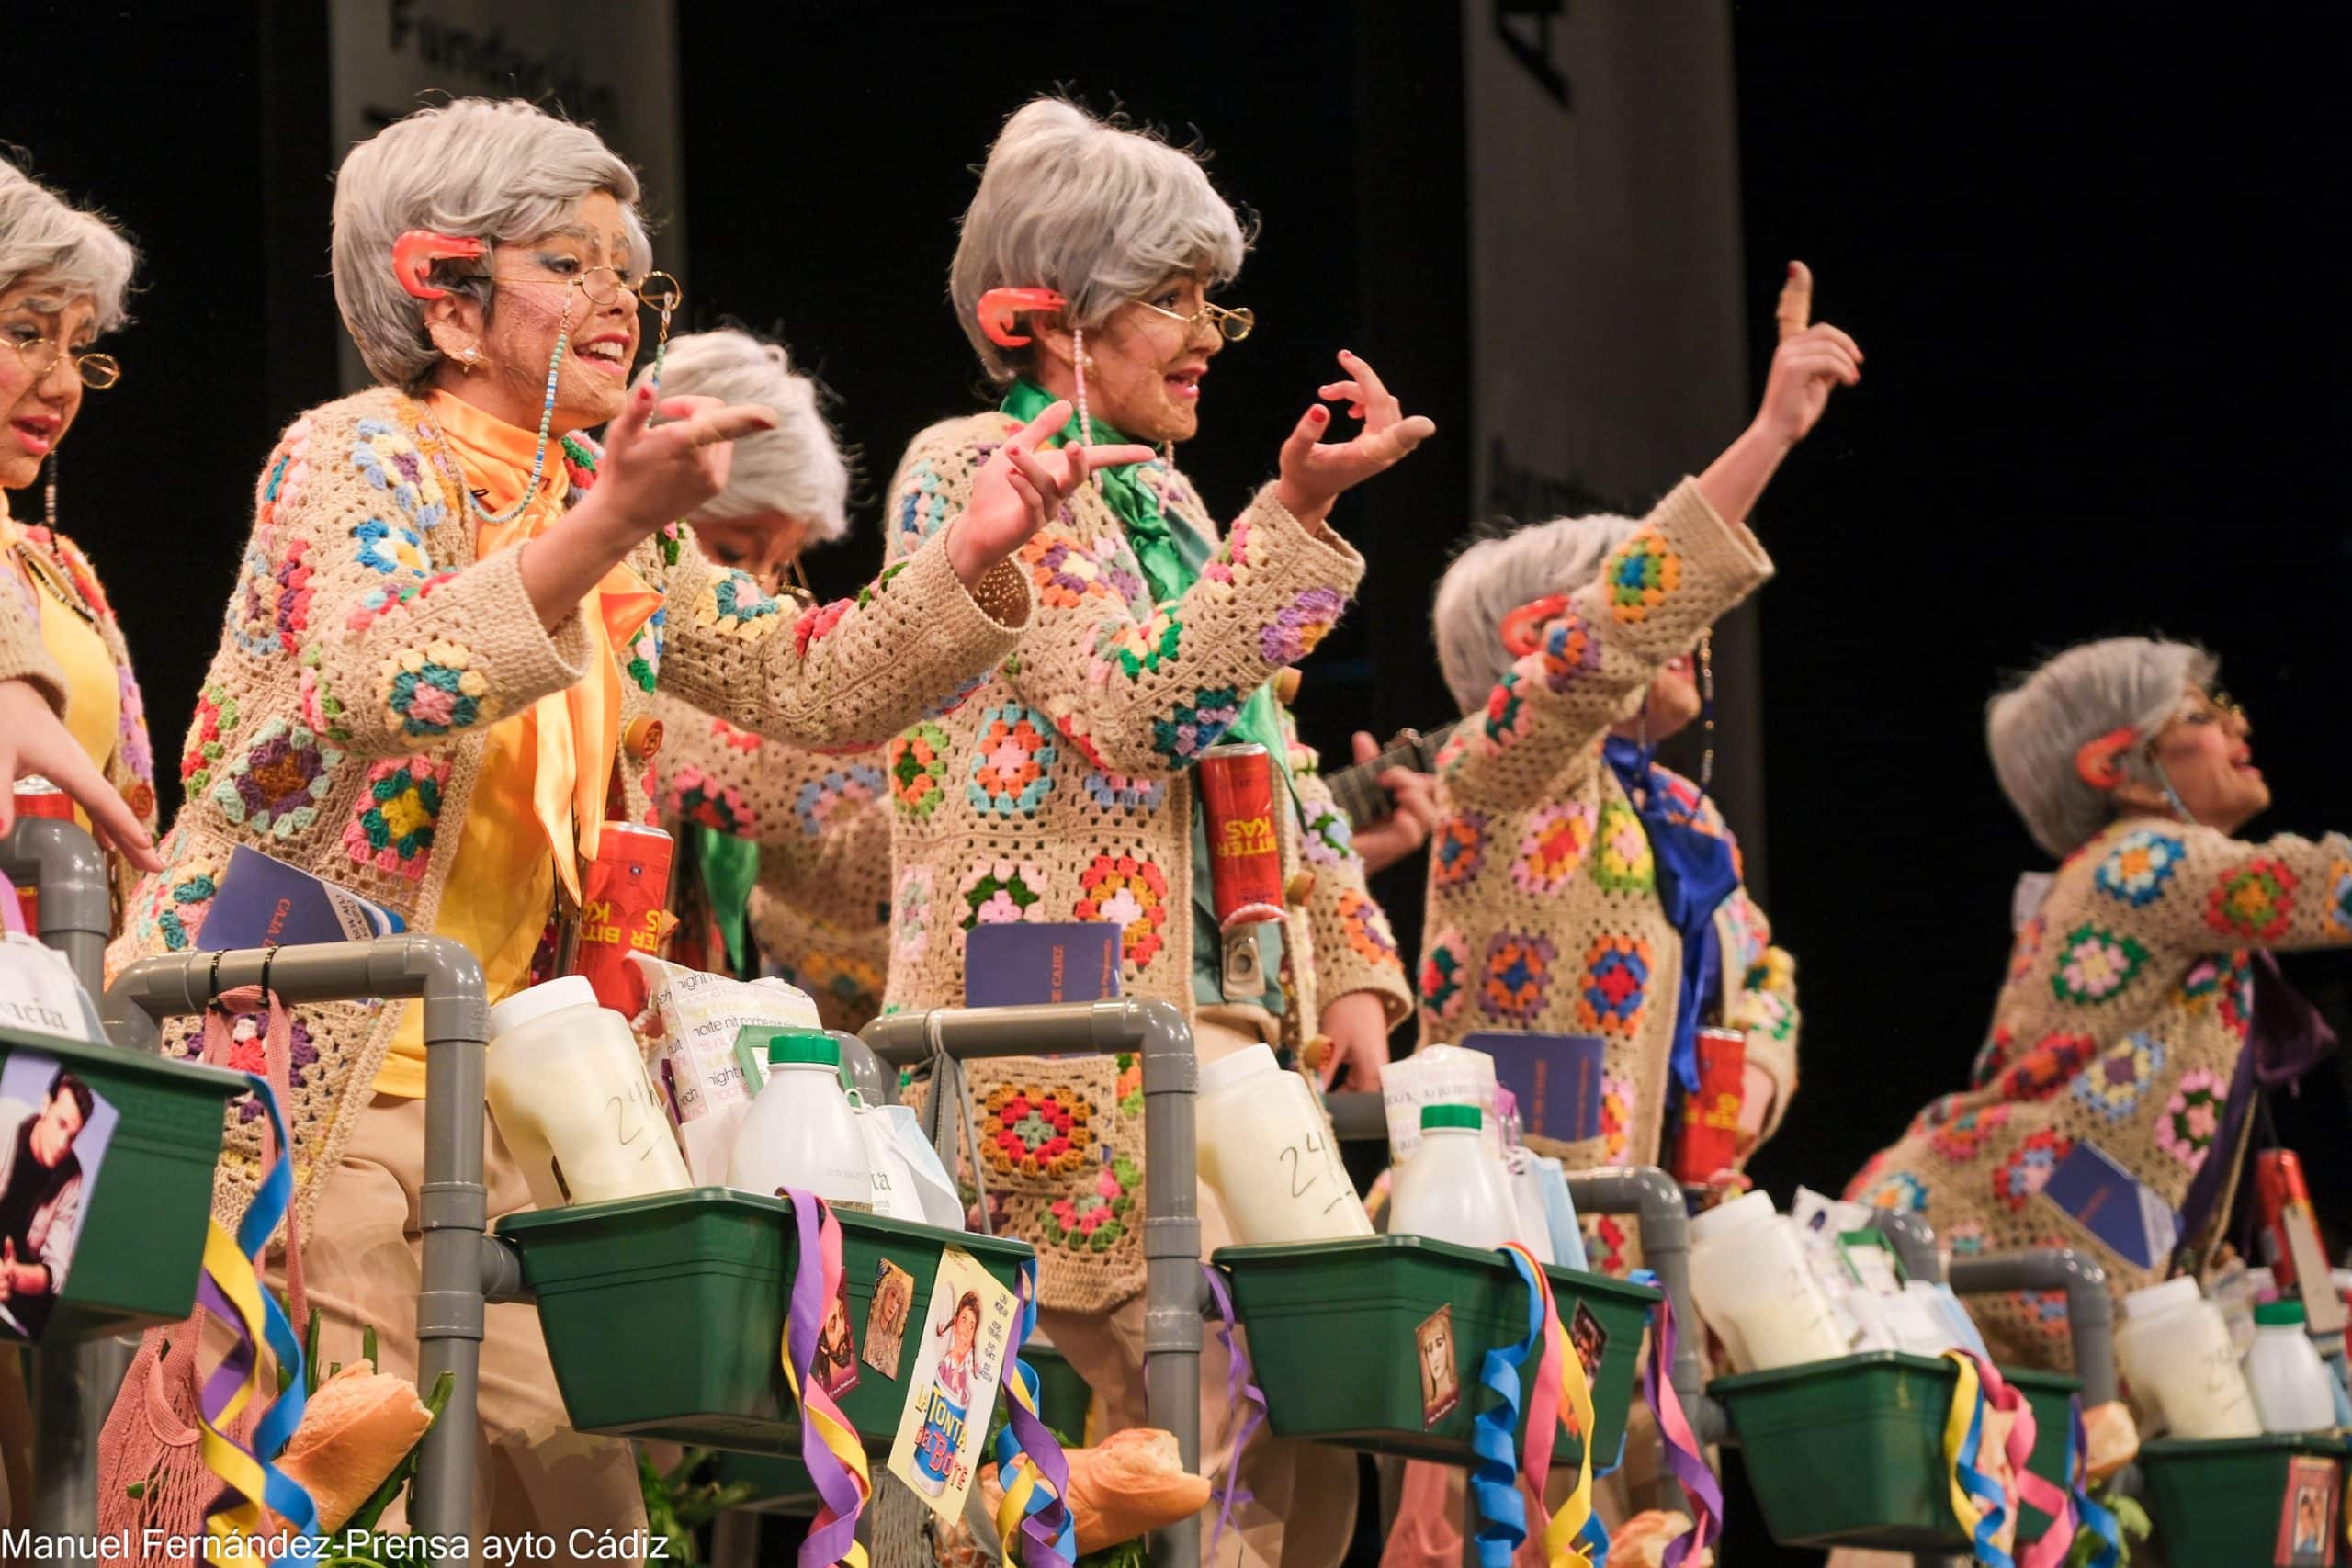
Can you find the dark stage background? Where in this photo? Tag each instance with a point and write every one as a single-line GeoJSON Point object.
{"type": "Point", "coordinates": [2094, 259]}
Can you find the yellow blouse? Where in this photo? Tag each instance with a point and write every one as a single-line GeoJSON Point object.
{"type": "Point", "coordinates": [93, 690]}
{"type": "Point", "coordinates": [538, 802]}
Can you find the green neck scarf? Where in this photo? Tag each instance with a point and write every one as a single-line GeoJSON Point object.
{"type": "Point", "coordinates": [729, 867]}
{"type": "Point", "coordinates": [1171, 557]}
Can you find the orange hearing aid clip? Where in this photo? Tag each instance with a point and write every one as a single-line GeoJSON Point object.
{"type": "Point", "coordinates": [1523, 627]}
{"type": "Point", "coordinates": [997, 306]}
{"type": "Point", "coordinates": [414, 253]}
{"type": "Point", "coordinates": [2097, 761]}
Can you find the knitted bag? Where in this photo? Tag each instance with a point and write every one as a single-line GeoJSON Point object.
{"type": "Point", "coordinates": [152, 1474]}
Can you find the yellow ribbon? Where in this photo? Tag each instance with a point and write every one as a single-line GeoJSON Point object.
{"type": "Point", "coordinates": [1964, 1400]}
{"type": "Point", "coordinates": [233, 1273]}
{"type": "Point", "coordinates": [840, 1437]}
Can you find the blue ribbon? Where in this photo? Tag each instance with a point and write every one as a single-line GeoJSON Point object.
{"type": "Point", "coordinates": [1980, 1486]}
{"type": "Point", "coordinates": [1695, 875]}
{"type": "Point", "coordinates": [2094, 1517]}
{"type": "Point", "coordinates": [1494, 1481]}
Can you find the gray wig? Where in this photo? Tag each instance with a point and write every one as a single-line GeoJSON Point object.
{"type": "Point", "coordinates": [1091, 210]}
{"type": "Point", "coordinates": [60, 249]}
{"type": "Point", "coordinates": [796, 469]}
{"type": "Point", "coordinates": [473, 167]}
{"type": "Point", "coordinates": [1494, 577]}
{"type": "Point", "coordinates": [2034, 726]}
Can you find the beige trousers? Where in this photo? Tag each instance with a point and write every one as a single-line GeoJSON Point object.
{"type": "Point", "coordinates": [362, 1264]}
{"type": "Point", "coordinates": [1303, 1495]}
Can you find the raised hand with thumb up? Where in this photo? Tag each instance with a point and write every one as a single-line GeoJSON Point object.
{"type": "Point", "coordinates": [1811, 360]}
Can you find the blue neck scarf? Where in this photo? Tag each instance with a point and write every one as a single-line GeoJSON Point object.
{"type": "Point", "coordinates": [1694, 876]}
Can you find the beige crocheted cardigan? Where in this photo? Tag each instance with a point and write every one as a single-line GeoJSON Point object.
{"type": "Point", "coordinates": [131, 766]}
{"type": "Point", "coordinates": [340, 726]}
{"type": "Point", "coordinates": [1059, 790]}
{"type": "Point", "coordinates": [820, 912]}
{"type": "Point", "coordinates": [2117, 1027]}
{"type": "Point", "coordinates": [1542, 911]}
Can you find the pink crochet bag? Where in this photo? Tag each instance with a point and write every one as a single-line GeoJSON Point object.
{"type": "Point", "coordinates": [152, 1474]}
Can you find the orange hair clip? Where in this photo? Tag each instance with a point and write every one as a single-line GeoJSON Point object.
{"type": "Point", "coordinates": [998, 307]}
{"type": "Point", "coordinates": [414, 253]}
{"type": "Point", "coordinates": [2098, 761]}
{"type": "Point", "coordinates": [1523, 627]}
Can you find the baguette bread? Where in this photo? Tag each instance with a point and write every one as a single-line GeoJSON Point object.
{"type": "Point", "coordinates": [354, 1430]}
{"type": "Point", "coordinates": [2112, 1438]}
{"type": "Point", "coordinates": [1134, 1482]}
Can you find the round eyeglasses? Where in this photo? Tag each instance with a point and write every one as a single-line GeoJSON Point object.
{"type": "Point", "coordinates": [96, 371]}
{"type": "Point", "coordinates": [603, 285]}
{"type": "Point", "coordinates": [1234, 324]}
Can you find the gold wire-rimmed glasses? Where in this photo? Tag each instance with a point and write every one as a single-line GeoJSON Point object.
{"type": "Point", "coordinates": [655, 291]}
{"type": "Point", "coordinates": [1234, 324]}
{"type": "Point", "coordinates": [40, 355]}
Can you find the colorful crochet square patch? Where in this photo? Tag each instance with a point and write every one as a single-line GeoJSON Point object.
{"type": "Point", "coordinates": [2114, 1083]}
{"type": "Point", "coordinates": [1616, 986]}
{"type": "Point", "coordinates": [1298, 627]}
{"type": "Point", "coordinates": [2045, 1069]}
{"type": "Point", "coordinates": [696, 797]}
{"type": "Point", "coordinates": [1027, 1129]}
{"type": "Point", "coordinates": [1065, 575]}
{"type": "Point", "coordinates": [1508, 717]}
{"type": "Point", "coordinates": [433, 690]}
{"type": "Point", "coordinates": [1190, 729]}
{"type": "Point", "coordinates": [1893, 1192]}
{"type": "Point", "coordinates": [1099, 1213]}
{"type": "Point", "coordinates": [1556, 841]}
{"type": "Point", "coordinates": [2136, 870]}
{"type": "Point", "coordinates": [1000, 891]}
{"type": "Point", "coordinates": [1444, 980]}
{"type": "Point", "coordinates": [272, 609]}
{"type": "Point", "coordinates": [824, 803]}
{"type": "Point", "coordinates": [216, 720]}
{"type": "Point", "coordinates": [1963, 1137]}
{"type": "Point", "coordinates": [392, 823]}
{"type": "Point", "coordinates": [2336, 917]}
{"type": "Point", "coordinates": [2095, 965]}
{"type": "Point", "coordinates": [1012, 762]}
{"type": "Point", "coordinates": [1131, 893]}
{"type": "Point", "coordinates": [1640, 576]}
{"type": "Point", "coordinates": [1328, 839]}
{"type": "Point", "coordinates": [913, 914]}
{"type": "Point", "coordinates": [1457, 851]}
{"type": "Point", "coordinates": [176, 903]}
{"type": "Point", "coordinates": [1117, 792]}
{"type": "Point", "coordinates": [1570, 651]}
{"type": "Point", "coordinates": [1516, 976]}
{"type": "Point", "coordinates": [1135, 648]}
{"type": "Point", "coordinates": [1618, 1100]}
{"type": "Point", "coordinates": [2192, 1117]}
{"type": "Point", "coordinates": [732, 604]}
{"type": "Point", "coordinates": [278, 785]}
{"type": "Point", "coordinates": [919, 770]}
{"type": "Point", "coordinates": [2254, 901]}
{"type": "Point", "coordinates": [2028, 1169]}
{"type": "Point", "coordinates": [1366, 928]}
{"type": "Point", "coordinates": [1624, 863]}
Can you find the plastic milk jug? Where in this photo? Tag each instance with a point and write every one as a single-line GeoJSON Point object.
{"type": "Point", "coordinates": [800, 1131]}
{"type": "Point", "coordinates": [1264, 1144]}
{"type": "Point", "coordinates": [2174, 1350]}
{"type": "Point", "coordinates": [569, 1094]}
{"type": "Point", "coordinates": [1752, 1283]}
{"type": "Point", "coordinates": [1453, 1187]}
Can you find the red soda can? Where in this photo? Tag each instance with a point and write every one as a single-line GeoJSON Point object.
{"type": "Point", "coordinates": [1244, 857]}
{"type": "Point", "coordinates": [1708, 1142]}
{"type": "Point", "coordinates": [36, 797]}
{"type": "Point", "coordinates": [624, 894]}
{"type": "Point", "coordinates": [2279, 1188]}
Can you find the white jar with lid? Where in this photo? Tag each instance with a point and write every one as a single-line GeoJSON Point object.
{"type": "Point", "coordinates": [1453, 1189]}
{"type": "Point", "coordinates": [2174, 1349]}
{"type": "Point", "coordinates": [1750, 1280]}
{"type": "Point", "coordinates": [801, 1133]}
{"type": "Point", "coordinates": [570, 1095]}
{"type": "Point", "coordinates": [1264, 1146]}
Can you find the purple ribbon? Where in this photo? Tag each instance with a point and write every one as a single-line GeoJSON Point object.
{"type": "Point", "coordinates": [1690, 1467]}
{"type": "Point", "coordinates": [829, 1539]}
{"type": "Point", "coordinates": [1239, 1389]}
{"type": "Point", "coordinates": [2285, 1037]}
{"type": "Point", "coordinates": [1049, 1538]}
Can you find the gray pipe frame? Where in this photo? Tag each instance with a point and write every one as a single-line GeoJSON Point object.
{"type": "Point", "coordinates": [72, 1385]}
{"type": "Point", "coordinates": [1171, 1231]}
{"type": "Point", "coordinates": [454, 1205]}
{"type": "Point", "coordinates": [1915, 1246]}
{"type": "Point", "coordinates": [2090, 1310]}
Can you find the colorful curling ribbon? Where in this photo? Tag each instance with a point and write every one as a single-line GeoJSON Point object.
{"type": "Point", "coordinates": [1029, 1463]}
{"type": "Point", "coordinates": [1683, 1456]}
{"type": "Point", "coordinates": [2095, 1516]}
{"type": "Point", "coordinates": [1495, 1482]}
{"type": "Point", "coordinates": [829, 1444]}
{"type": "Point", "coordinates": [230, 1287]}
{"type": "Point", "coordinates": [1240, 1388]}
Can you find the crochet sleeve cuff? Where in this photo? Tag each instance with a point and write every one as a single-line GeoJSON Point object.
{"type": "Point", "coordinates": [1671, 580]}
{"type": "Point", "coordinates": [1356, 950]}
{"type": "Point", "coordinates": [846, 675]}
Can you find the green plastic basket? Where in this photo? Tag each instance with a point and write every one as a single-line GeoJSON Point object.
{"type": "Point", "coordinates": [2222, 1500]}
{"type": "Point", "coordinates": [140, 1245]}
{"type": "Point", "coordinates": [664, 1315]}
{"type": "Point", "coordinates": [781, 1485]}
{"type": "Point", "coordinates": [2052, 1395]}
{"type": "Point", "coordinates": [1849, 1451]}
{"type": "Point", "coordinates": [1331, 1337]}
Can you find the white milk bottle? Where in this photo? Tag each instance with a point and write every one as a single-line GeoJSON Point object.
{"type": "Point", "coordinates": [571, 1098]}
{"type": "Point", "coordinates": [1436, 1074]}
{"type": "Point", "coordinates": [800, 1131]}
{"type": "Point", "coordinates": [1264, 1144]}
{"type": "Point", "coordinates": [2174, 1349]}
{"type": "Point", "coordinates": [2290, 1383]}
{"type": "Point", "coordinates": [1751, 1281]}
{"type": "Point", "coordinates": [1452, 1187]}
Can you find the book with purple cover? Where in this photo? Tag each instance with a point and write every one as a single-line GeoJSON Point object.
{"type": "Point", "coordinates": [2113, 1206]}
{"type": "Point", "coordinates": [1556, 1077]}
{"type": "Point", "coordinates": [264, 903]}
{"type": "Point", "coordinates": [1018, 962]}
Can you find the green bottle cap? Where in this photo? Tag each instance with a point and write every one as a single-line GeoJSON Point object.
{"type": "Point", "coordinates": [1437, 1116]}
{"type": "Point", "coordinates": [787, 1046]}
